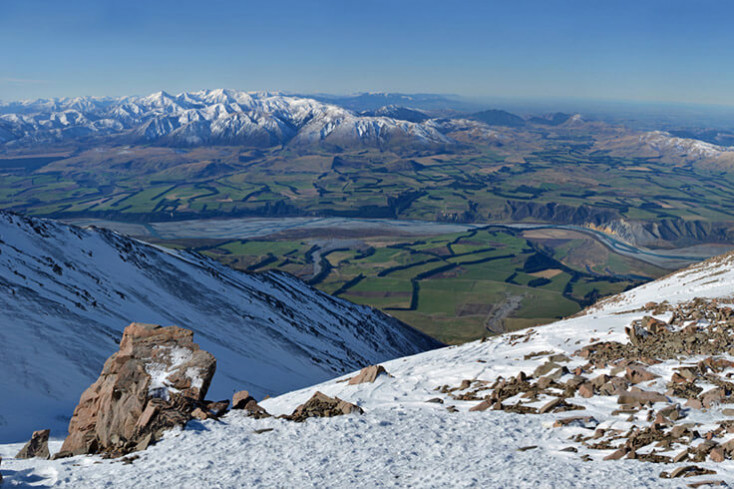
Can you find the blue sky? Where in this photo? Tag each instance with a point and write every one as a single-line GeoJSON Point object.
{"type": "Point", "coordinates": [617, 50]}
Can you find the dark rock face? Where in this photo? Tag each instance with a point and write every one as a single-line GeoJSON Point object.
{"type": "Point", "coordinates": [37, 446]}
{"type": "Point", "coordinates": [322, 406]}
{"type": "Point", "coordinates": [153, 383]}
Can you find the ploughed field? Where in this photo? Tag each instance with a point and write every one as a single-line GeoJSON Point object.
{"type": "Point", "coordinates": [457, 286]}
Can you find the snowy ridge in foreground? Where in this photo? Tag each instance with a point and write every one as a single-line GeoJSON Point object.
{"type": "Point", "coordinates": [402, 440]}
{"type": "Point", "coordinates": [67, 293]}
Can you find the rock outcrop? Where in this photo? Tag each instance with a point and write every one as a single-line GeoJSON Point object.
{"type": "Point", "coordinates": [153, 383]}
{"type": "Point", "coordinates": [243, 400]}
{"type": "Point", "coordinates": [322, 406]}
{"type": "Point", "coordinates": [37, 446]}
{"type": "Point", "coordinates": [368, 374]}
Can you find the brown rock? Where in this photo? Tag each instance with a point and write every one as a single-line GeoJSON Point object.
{"type": "Point", "coordinates": [617, 454]}
{"type": "Point", "coordinates": [368, 374]}
{"type": "Point", "coordinates": [694, 404]}
{"type": "Point", "coordinates": [581, 421]}
{"type": "Point", "coordinates": [717, 454]}
{"type": "Point", "coordinates": [217, 409]}
{"type": "Point", "coordinates": [586, 390]}
{"type": "Point", "coordinates": [199, 414]}
{"type": "Point", "coordinates": [615, 387]}
{"type": "Point", "coordinates": [711, 483]}
{"type": "Point", "coordinates": [153, 383]}
{"type": "Point", "coordinates": [690, 471]}
{"type": "Point", "coordinates": [636, 374]}
{"type": "Point", "coordinates": [551, 405]}
{"type": "Point", "coordinates": [544, 382]}
{"type": "Point", "coordinates": [482, 406]}
{"type": "Point", "coordinates": [322, 406]}
{"type": "Point", "coordinates": [712, 396]}
{"type": "Point", "coordinates": [681, 456]}
{"type": "Point", "coordinates": [636, 395]}
{"type": "Point", "coordinates": [545, 368]}
{"type": "Point", "coordinates": [37, 446]}
{"type": "Point", "coordinates": [240, 399]}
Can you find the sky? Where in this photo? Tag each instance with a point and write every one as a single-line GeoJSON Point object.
{"type": "Point", "coordinates": [668, 51]}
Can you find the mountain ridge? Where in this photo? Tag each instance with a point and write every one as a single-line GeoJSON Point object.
{"type": "Point", "coordinates": [67, 292]}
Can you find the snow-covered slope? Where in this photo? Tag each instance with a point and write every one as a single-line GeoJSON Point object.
{"type": "Point", "coordinates": [403, 440]}
{"type": "Point", "coordinates": [206, 117]}
{"type": "Point", "coordinates": [66, 294]}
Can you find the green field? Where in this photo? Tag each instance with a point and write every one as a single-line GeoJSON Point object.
{"type": "Point", "coordinates": [562, 182]}
{"type": "Point", "coordinates": [453, 287]}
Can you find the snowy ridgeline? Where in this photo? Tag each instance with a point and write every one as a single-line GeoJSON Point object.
{"type": "Point", "coordinates": [207, 117]}
{"type": "Point", "coordinates": [67, 293]}
{"type": "Point", "coordinates": [403, 440]}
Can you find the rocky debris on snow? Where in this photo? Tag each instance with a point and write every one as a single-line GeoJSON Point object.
{"type": "Point", "coordinates": [37, 446]}
{"type": "Point", "coordinates": [1, 474]}
{"type": "Point", "coordinates": [656, 408]}
{"type": "Point", "coordinates": [155, 382]}
{"type": "Point", "coordinates": [368, 374]}
{"type": "Point", "coordinates": [322, 406]}
{"type": "Point", "coordinates": [243, 400]}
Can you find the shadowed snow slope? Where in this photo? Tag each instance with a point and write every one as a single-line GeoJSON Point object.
{"type": "Point", "coordinates": [403, 441]}
{"type": "Point", "coordinates": [67, 293]}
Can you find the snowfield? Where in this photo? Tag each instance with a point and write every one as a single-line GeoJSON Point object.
{"type": "Point", "coordinates": [404, 441]}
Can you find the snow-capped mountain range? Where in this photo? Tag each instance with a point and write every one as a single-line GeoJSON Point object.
{"type": "Point", "coordinates": [220, 116]}
{"type": "Point", "coordinates": [67, 293]}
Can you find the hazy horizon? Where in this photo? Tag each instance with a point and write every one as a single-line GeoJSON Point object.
{"type": "Point", "coordinates": [657, 51]}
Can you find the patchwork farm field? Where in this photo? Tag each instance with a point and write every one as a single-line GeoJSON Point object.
{"type": "Point", "coordinates": [455, 287]}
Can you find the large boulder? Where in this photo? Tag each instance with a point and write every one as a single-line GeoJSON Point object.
{"type": "Point", "coordinates": [37, 446]}
{"type": "Point", "coordinates": [153, 383]}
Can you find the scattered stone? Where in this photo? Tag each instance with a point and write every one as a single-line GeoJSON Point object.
{"type": "Point", "coordinates": [129, 460]}
{"type": "Point", "coordinates": [525, 449]}
{"type": "Point", "coordinates": [545, 368]}
{"type": "Point", "coordinates": [580, 421]}
{"type": "Point", "coordinates": [436, 400]}
{"type": "Point", "coordinates": [262, 430]}
{"type": "Point", "coordinates": [569, 449]}
{"type": "Point", "coordinates": [37, 446]}
{"type": "Point", "coordinates": [153, 383]}
{"type": "Point", "coordinates": [716, 483]}
{"type": "Point", "coordinates": [240, 399]}
{"type": "Point", "coordinates": [687, 471]}
{"type": "Point", "coordinates": [452, 409]}
{"type": "Point", "coordinates": [322, 406]}
{"type": "Point", "coordinates": [368, 374]}
{"type": "Point", "coordinates": [217, 409]}
{"type": "Point", "coordinates": [559, 358]}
